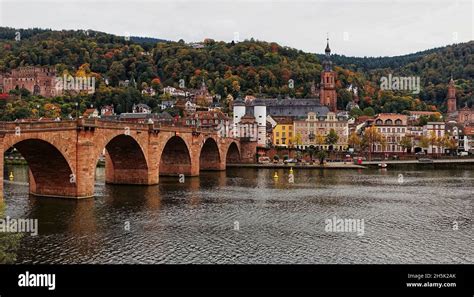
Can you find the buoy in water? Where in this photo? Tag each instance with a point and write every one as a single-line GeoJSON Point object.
{"type": "Point", "coordinates": [275, 175]}
{"type": "Point", "coordinates": [291, 170]}
{"type": "Point", "coordinates": [11, 177]}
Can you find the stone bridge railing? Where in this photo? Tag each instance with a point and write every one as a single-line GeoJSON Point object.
{"type": "Point", "coordinates": [52, 125]}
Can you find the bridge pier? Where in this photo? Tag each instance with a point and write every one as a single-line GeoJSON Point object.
{"type": "Point", "coordinates": [168, 169]}
{"type": "Point", "coordinates": [126, 176]}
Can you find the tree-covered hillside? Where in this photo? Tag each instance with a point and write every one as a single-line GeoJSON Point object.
{"type": "Point", "coordinates": [229, 69]}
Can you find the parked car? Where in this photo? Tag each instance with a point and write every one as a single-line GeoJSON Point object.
{"type": "Point", "coordinates": [463, 154]}
{"type": "Point", "coordinates": [289, 161]}
{"type": "Point", "coordinates": [263, 160]}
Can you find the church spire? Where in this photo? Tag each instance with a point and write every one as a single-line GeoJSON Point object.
{"type": "Point", "coordinates": [327, 64]}
{"type": "Point", "coordinates": [327, 50]}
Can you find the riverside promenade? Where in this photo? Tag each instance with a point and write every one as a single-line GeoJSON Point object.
{"type": "Point", "coordinates": [365, 164]}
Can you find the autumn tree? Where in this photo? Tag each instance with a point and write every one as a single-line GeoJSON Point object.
{"type": "Point", "coordinates": [406, 143]}
{"type": "Point", "coordinates": [371, 137]}
{"type": "Point", "coordinates": [354, 140]}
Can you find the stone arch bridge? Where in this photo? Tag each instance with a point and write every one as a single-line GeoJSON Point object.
{"type": "Point", "coordinates": [62, 156]}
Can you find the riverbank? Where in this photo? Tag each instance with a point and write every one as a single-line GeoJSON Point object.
{"type": "Point", "coordinates": [433, 164]}
{"type": "Point", "coordinates": [333, 165]}
{"type": "Point", "coordinates": [437, 163]}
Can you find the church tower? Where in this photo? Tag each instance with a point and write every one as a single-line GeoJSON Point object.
{"type": "Point", "coordinates": [451, 97]}
{"type": "Point", "coordinates": [327, 94]}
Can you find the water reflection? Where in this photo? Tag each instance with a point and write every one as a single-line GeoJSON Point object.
{"type": "Point", "coordinates": [279, 221]}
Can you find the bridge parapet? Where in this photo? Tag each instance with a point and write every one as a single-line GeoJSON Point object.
{"type": "Point", "coordinates": [37, 126]}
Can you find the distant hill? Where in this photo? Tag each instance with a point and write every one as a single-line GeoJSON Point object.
{"type": "Point", "coordinates": [150, 40]}
{"type": "Point", "coordinates": [434, 66]}
{"type": "Point", "coordinates": [251, 67]}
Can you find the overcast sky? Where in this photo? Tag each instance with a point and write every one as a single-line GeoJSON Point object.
{"type": "Point", "coordinates": [355, 27]}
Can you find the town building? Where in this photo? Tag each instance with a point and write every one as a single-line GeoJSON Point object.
{"type": "Point", "coordinates": [91, 113]}
{"type": "Point", "coordinates": [283, 131]}
{"type": "Point", "coordinates": [216, 120]}
{"type": "Point", "coordinates": [434, 131]}
{"type": "Point", "coordinates": [465, 115]}
{"type": "Point", "coordinates": [141, 108]}
{"type": "Point", "coordinates": [163, 118]}
{"type": "Point", "coordinates": [469, 138]}
{"type": "Point", "coordinates": [37, 80]}
{"type": "Point", "coordinates": [393, 128]}
{"type": "Point", "coordinates": [167, 104]}
{"type": "Point", "coordinates": [149, 91]}
{"type": "Point", "coordinates": [190, 107]}
{"type": "Point", "coordinates": [258, 110]}
{"type": "Point", "coordinates": [107, 110]}
{"type": "Point", "coordinates": [415, 115]}
{"type": "Point", "coordinates": [247, 128]}
{"type": "Point", "coordinates": [455, 131]}
{"type": "Point", "coordinates": [313, 130]}
{"type": "Point", "coordinates": [202, 96]}
{"type": "Point", "coordinates": [174, 92]}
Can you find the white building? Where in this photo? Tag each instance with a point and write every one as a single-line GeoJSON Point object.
{"type": "Point", "coordinates": [258, 111]}
{"type": "Point", "coordinates": [175, 92]}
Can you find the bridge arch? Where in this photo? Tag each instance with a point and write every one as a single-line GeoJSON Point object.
{"type": "Point", "coordinates": [50, 171]}
{"type": "Point", "coordinates": [125, 161]}
{"type": "Point", "coordinates": [233, 153]}
{"type": "Point", "coordinates": [176, 157]}
{"type": "Point", "coordinates": [210, 157]}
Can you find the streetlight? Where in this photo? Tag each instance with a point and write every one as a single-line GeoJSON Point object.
{"type": "Point", "coordinates": [77, 109]}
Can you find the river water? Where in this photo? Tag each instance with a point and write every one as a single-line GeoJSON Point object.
{"type": "Point", "coordinates": [247, 216]}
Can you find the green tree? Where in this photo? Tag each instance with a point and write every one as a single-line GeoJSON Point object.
{"type": "Point", "coordinates": [322, 155]}
{"type": "Point", "coordinates": [369, 111]}
{"type": "Point", "coordinates": [332, 138]}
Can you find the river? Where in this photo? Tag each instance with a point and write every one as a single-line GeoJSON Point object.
{"type": "Point", "coordinates": [245, 215]}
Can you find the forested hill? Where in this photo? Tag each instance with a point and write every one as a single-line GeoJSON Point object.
{"type": "Point", "coordinates": [434, 66]}
{"type": "Point", "coordinates": [260, 68]}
